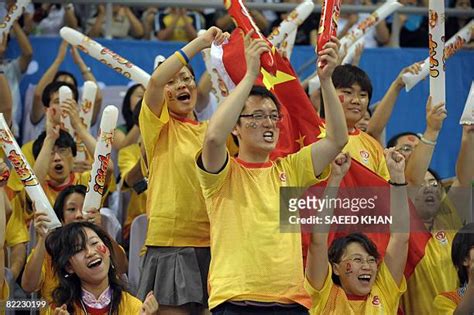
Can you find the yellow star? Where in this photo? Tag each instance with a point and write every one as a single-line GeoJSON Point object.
{"type": "Point", "coordinates": [300, 140]}
{"type": "Point", "coordinates": [322, 131]}
{"type": "Point", "coordinates": [270, 81]}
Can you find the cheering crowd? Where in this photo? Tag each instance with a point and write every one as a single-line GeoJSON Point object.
{"type": "Point", "coordinates": [209, 178]}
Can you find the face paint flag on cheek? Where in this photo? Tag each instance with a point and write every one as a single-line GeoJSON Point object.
{"type": "Point", "coordinates": [104, 55]}
{"type": "Point", "coordinates": [244, 21]}
{"type": "Point", "coordinates": [25, 173]}
{"type": "Point", "coordinates": [348, 268]}
{"type": "Point", "coordinates": [102, 248]}
{"type": "Point", "coordinates": [97, 182]}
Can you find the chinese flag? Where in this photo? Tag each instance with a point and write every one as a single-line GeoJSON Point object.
{"type": "Point", "coordinates": [302, 126]}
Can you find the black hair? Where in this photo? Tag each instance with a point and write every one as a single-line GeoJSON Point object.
{"type": "Point", "coordinates": [127, 108]}
{"type": "Point", "coordinates": [435, 174]}
{"type": "Point", "coordinates": [462, 243]}
{"type": "Point", "coordinates": [64, 140]}
{"type": "Point", "coordinates": [392, 142]}
{"type": "Point", "coordinates": [339, 245]}
{"type": "Point", "coordinates": [53, 87]}
{"type": "Point", "coordinates": [258, 90]}
{"type": "Point", "coordinates": [136, 111]}
{"type": "Point", "coordinates": [69, 74]}
{"type": "Point", "coordinates": [62, 244]}
{"type": "Point", "coordinates": [61, 199]}
{"type": "Point", "coordinates": [345, 76]}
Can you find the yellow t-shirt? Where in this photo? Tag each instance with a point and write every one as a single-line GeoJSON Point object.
{"type": "Point", "coordinates": [446, 303]}
{"type": "Point", "coordinates": [251, 259]}
{"type": "Point", "coordinates": [177, 213]}
{"type": "Point", "coordinates": [48, 280]}
{"type": "Point", "coordinates": [16, 231]}
{"type": "Point", "coordinates": [433, 274]}
{"type": "Point", "coordinates": [75, 179]}
{"type": "Point", "coordinates": [382, 299]}
{"type": "Point", "coordinates": [128, 157]}
{"type": "Point", "coordinates": [128, 305]}
{"type": "Point", "coordinates": [4, 295]}
{"type": "Point", "coordinates": [368, 152]}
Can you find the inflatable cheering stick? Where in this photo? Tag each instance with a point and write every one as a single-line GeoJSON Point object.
{"type": "Point", "coordinates": [244, 21]}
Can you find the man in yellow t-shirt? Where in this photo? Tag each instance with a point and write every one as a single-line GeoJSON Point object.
{"type": "Point", "coordinates": [255, 268]}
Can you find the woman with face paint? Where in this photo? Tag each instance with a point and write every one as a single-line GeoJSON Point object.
{"type": "Point", "coordinates": [83, 259]}
{"type": "Point", "coordinates": [177, 259]}
{"type": "Point", "coordinates": [38, 274]}
{"type": "Point", "coordinates": [349, 277]}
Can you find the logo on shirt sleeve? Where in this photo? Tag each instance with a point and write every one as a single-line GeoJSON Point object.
{"type": "Point", "coordinates": [283, 177]}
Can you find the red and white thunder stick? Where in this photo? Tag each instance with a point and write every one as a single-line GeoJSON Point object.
{"type": "Point", "coordinates": [13, 14]}
{"type": "Point", "coordinates": [86, 108]}
{"type": "Point", "coordinates": [453, 45]}
{"type": "Point", "coordinates": [97, 183]}
{"type": "Point", "coordinates": [330, 11]}
{"type": "Point", "coordinates": [467, 117]}
{"type": "Point", "coordinates": [370, 22]}
{"type": "Point", "coordinates": [25, 173]}
{"type": "Point", "coordinates": [436, 45]}
{"type": "Point", "coordinates": [104, 55]}
{"type": "Point", "coordinates": [65, 93]}
{"type": "Point", "coordinates": [244, 21]}
{"type": "Point", "coordinates": [284, 35]}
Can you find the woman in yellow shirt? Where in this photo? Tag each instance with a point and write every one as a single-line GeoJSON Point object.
{"type": "Point", "coordinates": [83, 258]}
{"type": "Point", "coordinates": [460, 301]}
{"type": "Point", "coordinates": [350, 278]}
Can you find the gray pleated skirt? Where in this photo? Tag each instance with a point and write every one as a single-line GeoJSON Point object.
{"type": "Point", "coordinates": [177, 275]}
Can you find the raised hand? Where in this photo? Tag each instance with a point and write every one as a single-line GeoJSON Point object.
{"type": "Point", "coordinates": [328, 57]}
{"type": "Point", "coordinates": [61, 310]}
{"type": "Point", "coordinates": [40, 221]}
{"type": "Point", "coordinates": [213, 34]}
{"type": "Point", "coordinates": [413, 69]}
{"type": "Point", "coordinates": [340, 165]}
{"type": "Point", "coordinates": [93, 216]}
{"type": "Point", "coordinates": [254, 48]}
{"type": "Point", "coordinates": [395, 165]}
{"type": "Point", "coordinates": [70, 108]}
{"type": "Point", "coordinates": [150, 305]}
{"type": "Point", "coordinates": [62, 51]}
{"type": "Point", "coordinates": [435, 115]}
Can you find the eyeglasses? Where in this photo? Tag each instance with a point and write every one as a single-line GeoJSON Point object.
{"type": "Point", "coordinates": [430, 183]}
{"type": "Point", "coordinates": [275, 117]}
{"type": "Point", "coordinates": [61, 151]}
{"type": "Point", "coordinates": [371, 261]}
{"type": "Point", "coordinates": [406, 148]}
{"type": "Point", "coordinates": [186, 80]}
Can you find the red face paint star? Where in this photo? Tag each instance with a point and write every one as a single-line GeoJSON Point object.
{"type": "Point", "coordinates": [348, 268]}
{"type": "Point", "coordinates": [341, 98]}
{"type": "Point", "coordinates": [102, 248]}
{"type": "Point", "coordinates": [411, 138]}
